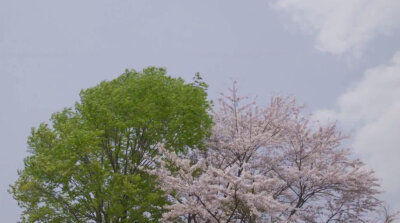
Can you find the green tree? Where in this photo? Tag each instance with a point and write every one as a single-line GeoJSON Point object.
{"type": "Point", "coordinates": [86, 166]}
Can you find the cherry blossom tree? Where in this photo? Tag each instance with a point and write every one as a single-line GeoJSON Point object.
{"type": "Point", "coordinates": [267, 164]}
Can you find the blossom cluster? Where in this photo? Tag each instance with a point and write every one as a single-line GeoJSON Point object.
{"type": "Point", "coordinates": [269, 164]}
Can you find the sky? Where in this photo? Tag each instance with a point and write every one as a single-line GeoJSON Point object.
{"type": "Point", "coordinates": [339, 57]}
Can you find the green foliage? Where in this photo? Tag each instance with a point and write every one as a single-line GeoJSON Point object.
{"type": "Point", "coordinates": [87, 165]}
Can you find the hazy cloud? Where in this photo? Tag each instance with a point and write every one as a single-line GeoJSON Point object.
{"type": "Point", "coordinates": [343, 26]}
{"type": "Point", "coordinates": [371, 111]}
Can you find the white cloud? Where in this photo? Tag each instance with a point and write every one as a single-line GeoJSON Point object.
{"type": "Point", "coordinates": [371, 110]}
{"type": "Point", "coordinates": [343, 26]}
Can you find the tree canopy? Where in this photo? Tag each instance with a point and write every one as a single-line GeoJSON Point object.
{"type": "Point", "coordinates": [268, 164]}
{"type": "Point", "coordinates": [144, 148]}
{"type": "Point", "coordinates": [86, 164]}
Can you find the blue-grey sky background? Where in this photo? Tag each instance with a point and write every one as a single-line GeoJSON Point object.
{"type": "Point", "coordinates": [319, 52]}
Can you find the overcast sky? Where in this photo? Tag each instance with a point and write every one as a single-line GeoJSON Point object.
{"type": "Point", "coordinates": [337, 56]}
